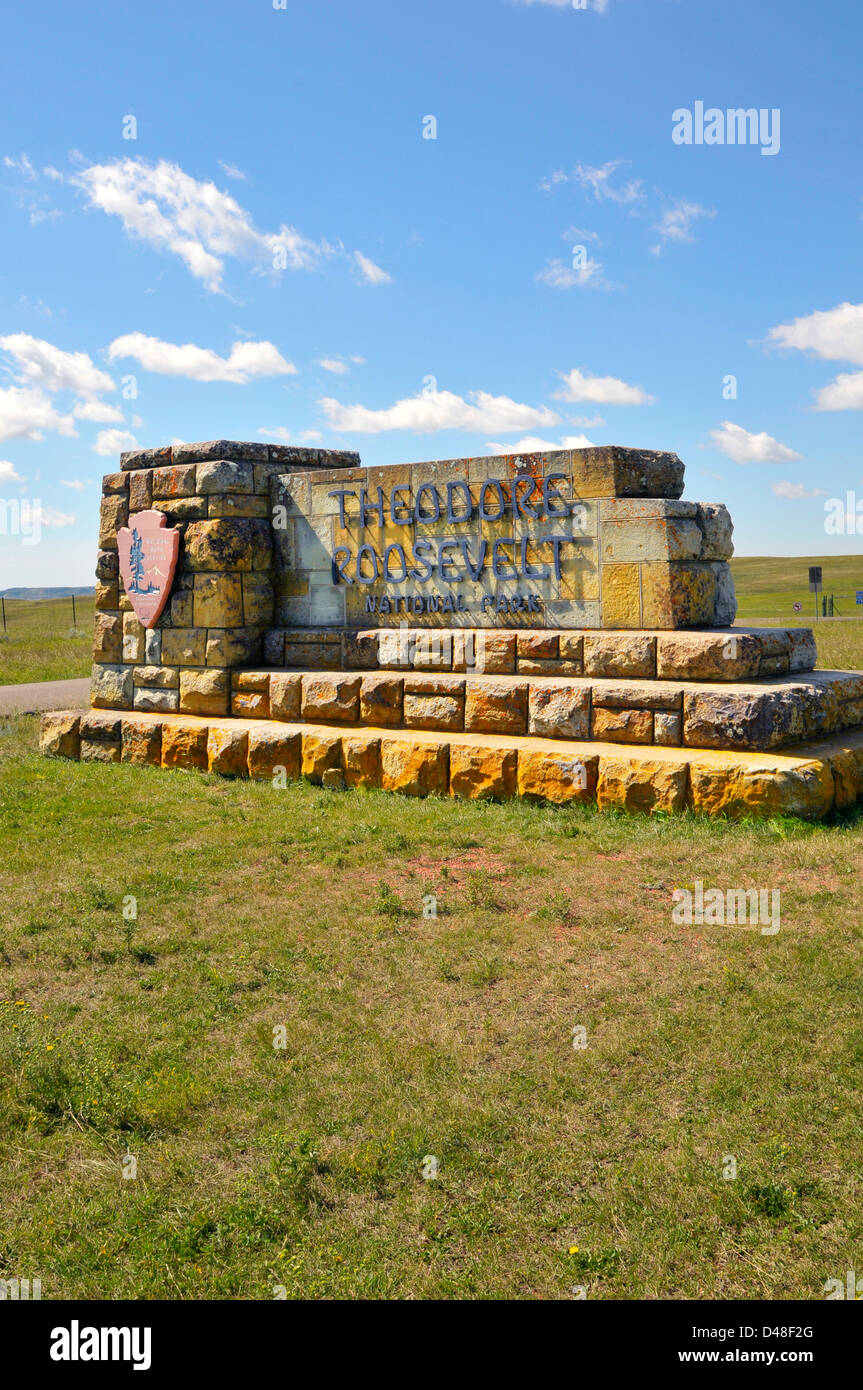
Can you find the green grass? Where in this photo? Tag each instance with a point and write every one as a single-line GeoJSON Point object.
{"type": "Point", "coordinates": [41, 644]}
{"type": "Point", "coordinates": [767, 588]}
{"type": "Point", "coordinates": [409, 1036]}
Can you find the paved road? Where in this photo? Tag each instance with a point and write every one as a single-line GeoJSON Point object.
{"type": "Point", "coordinates": [27, 699]}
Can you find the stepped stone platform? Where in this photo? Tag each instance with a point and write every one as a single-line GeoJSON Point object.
{"type": "Point", "coordinates": [555, 626]}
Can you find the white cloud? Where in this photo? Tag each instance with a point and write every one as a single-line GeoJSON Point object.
{"type": "Point", "coordinates": [22, 165]}
{"type": "Point", "coordinates": [8, 473]}
{"type": "Point", "coordinates": [562, 276]}
{"type": "Point", "coordinates": [285, 436]}
{"type": "Point", "coordinates": [25, 413]}
{"type": "Point", "coordinates": [47, 516]}
{"type": "Point", "coordinates": [114, 442]}
{"type": "Point", "coordinates": [247, 360]}
{"type": "Point", "coordinates": [98, 413]}
{"type": "Point", "coordinates": [845, 393]}
{"type": "Point", "coordinates": [333, 364]}
{"type": "Point", "coordinates": [192, 218]}
{"type": "Point", "coordinates": [602, 390]}
{"type": "Point", "coordinates": [676, 223]}
{"type": "Point", "coordinates": [439, 410]}
{"type": "Point", "coordinates": [834, 334]}
{"type": "Point", "coordinates": [233, 172]}
{"type": "Point", "coordinates": [796, 491]}
{"type": "Point", "coordinates": [71, 482]}
{"type": "Point", "coordinates": [742, 447]}
{"type": "Point", "coordinates": [370, 273]}
{"type": "Point", "coordinates": [531, 444]}
{"type": "Point", "coordinates": [41, 364]}
{"type": "Point", "coordinates": [599, 5]}
{"type": "Point", "coordinates": [597, 180]}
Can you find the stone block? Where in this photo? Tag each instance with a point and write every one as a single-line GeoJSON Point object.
{"type": "Point", "coordinates": [184, 745]}
{"type": "Point", "coordinates": [677, 595]}
{"type": "Point", "coordinates": [171, 483]}
{"type": "Point", "coordinates": [479, 773]}
{"type": "Point", "coordinates": [793, 787]}
{"type": "Point", "coordinates": [725, 656]}
{"type": "Point", "coordinates": [557, 709]}
{"type": "Point", "coordinates": [620, 656]}
{"type": "Point", "coordinates": [335, 698]}
{"type": "Point", "coordinates": [133, 638]}
{"type": "Point", "coordinates": [494, 652]}
{"type": "Point", "coordinates": [231, 646]}
{"type": "Point", "coordinates": [184, 646]}
{"type": "Point", "coordinates": [285, 692]}
{"type": "Point", "coordinates": [97, 751]}
{"type": "Point", "coordinates": [140, 490]}
{"type": "Point", "coordinates": [228, 544]}
{"type": "Point", "coordinates": [381, 699]}
{"type": "Point", "coordinates": [320, 753]}
{"type": "Point", "coordinates": [621, 596]}
{"type": "Point", "coordinates": [716, 527]}
{"type": "Point", "coordinates": [555, 776]}
{"type": "Point", "coordinates": [108, 638]}
{"type": "Point", "coordinates": [141, 740]}
{"type": "Point", "coordinates": [145, 458]}
{"type": "Point", "coordinates": [250, 704]}
{"type": "Point", "coordinates": [537, 645]}
{"type": "Point", "coordinates": [270, 750]}
{"type": "Point", "coordinates": [151, 700]}
{"type": "Point", "coordinates": [107, 597]}
{"type": "Point", "coordinates": [643, 784]}
{"type": "Point", "coordinates": [622, 726]}
{"type": "Point", "coordinates": [107, 566]}
{"type": "Point", "coordinates": [113, 513]}
{"type": "Point", "coordinates": [274, 648]}
{"type": "Point", "coordinates": [444, 712]}
{"type": "Point", "coordinates": [59, 735]}
{"type": "Point", "coordinates": [361, 760]}
{"type": "Point", "coordinates": [416, 769]}
{"type": "Point", "coordinates": [227, 750]}
{"type": "Point", "coordinates": [227, 504]}
{"type": "Point", "coordinates": [495, 707]}
{"type": "Point", "coordinates": [114, 482]}
{"type": "Point", "coordinates": [667, 729]}
{"type": "Point", "coordinates": [204, 691]}
{"type": "Point", "coordinates": [153, 646]}
{"type": "Point", "coordinates": [225, 475]}
{"type": "Point", "coordinates": [182, 509]}
{"type": "Point", "coordinates": [257, 600]}
{"type": "Point", "coordinates": [111, 687]}
{"type": "Point", "coordinates": [218, 601]}
{"type": "Point", "coordinates": [158, 677]}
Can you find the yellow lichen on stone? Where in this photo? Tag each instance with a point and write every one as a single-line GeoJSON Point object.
{"type": "Point", "coordinates": [641, 784]}
{"type": "Point", "coordinates": [621, 596]}
{"type": "Point", "coordinates": [476, 772]}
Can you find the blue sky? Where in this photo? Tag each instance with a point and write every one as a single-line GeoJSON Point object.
{"type": "Point", "coordinates": [280, 254]}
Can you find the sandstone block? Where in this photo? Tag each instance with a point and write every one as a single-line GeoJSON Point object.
{"type": "Point", "coordinates": [716, 527]}
{"type": "Point", "coordinates": [111, 687]}
{"type": "Point", "coordinates": [257, 600]}
{"type": "Point", "coordinates": [482, 773]}
{"type": "Point", "coordinates": [98, 751]}
{"type": "Point", "coordinates": [250, 704]}
{"type": "Point", "coordinates": [141, 741]}
{"type": "Point", "coordinates": [285, 692]}
{"type": "Point", "coordinates": [184, 646]}
{"type": "Point", "coordinates": [114, 482]}
{"type": "Point", "coordinates": [154, 701]}
{"type": "Point", "coordinates": [107, 566]}
{"type": "Point", "coordinates": [320, 752]}
{"type": "Point", "coordinates": [620, 656]}
{"type": "Point", "coordinates": [495, 707]}
{"type": "Point", "coordinates": [59, 735]}
{"type": "Point", "coordinates": [153, 646]}
{"type": "Point", "coordinates": [140, 490]}
{"type": "Point", "coordinates": [622, 726]}
{"type": "Point", "coordinates": [225, 475]}
{"type": "Point", "coordinates": [361, 760]}
{"type": "Point", "coordinates": [274, 648]}
{"type": "Point", "coordinates": [381, 699]}
{"type": "Point", "coordinates": [537, 645]}
{"type": "Point", "coordinates": [241, 543]}
{"type": "Point", "coordinates": [416, 769]}
{"type": "Point", "coordinates": [494, 652]}
{"type": "Point", "coordinates": [334, 698]}
{"type": "Point", "coordinates": [558, 710]}
{"type": "Point", "coordinates": [754, 719]}
{"type": "Point", "coordinates": [667, 729]}
{"type": "Point", "coordinates": [677, 595]}
{"type": "Point", "coordinates": [184, 745]}
{"type": "Point", "coordinates": [113, 513]}
{"type": "Point", "coordinates": [204, 691]}
{"type": "Point", "coordinates": [218, 600]}
{"type": "Point", "coordinates": [725, 786]}
{"type": "Point", "coordinates": [627, 784]}
{"type": "Point", "coordinates": [229, 646]}
{"type": "Point", "coordinates": [725, 656]}
{"type": "Point", "coordinates": [621, 596]}
{"type": "Point", "coordinates": [182, 509]}
{"type": "Point", "coordinates": [227, 750]}
{"type": "Point", "coordinates": [133, 638]}
{"type": "Point", "coordinates": [270, 749]}
{"type": "Point", "coordinates": [556, 777]}
{"type": "Point", "coordinates": [159, 677]}
{"type": "Point", "coordinates": [173, 482]}
{"type": "Point", "coordinates": [235, 504]}
{"type": "Point", "coordinates": [108, 638]}
{"type": "Point", "coordinates": [445, 712]}
{"type": "Point", "coordinates": [107, 597]}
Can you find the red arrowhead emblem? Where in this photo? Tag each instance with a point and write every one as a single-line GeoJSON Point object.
{"type": "Point", "coordinates": [148, 557]}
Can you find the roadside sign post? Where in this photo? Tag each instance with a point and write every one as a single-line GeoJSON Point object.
{"type": "Point", "coordinates": [815, 584]}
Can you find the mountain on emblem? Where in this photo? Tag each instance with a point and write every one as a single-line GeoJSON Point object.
{"type": "Point", "coordinates": [148, 557]}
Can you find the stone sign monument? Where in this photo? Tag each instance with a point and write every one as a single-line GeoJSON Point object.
{"type": "Point", "coordinates": [555, 626]}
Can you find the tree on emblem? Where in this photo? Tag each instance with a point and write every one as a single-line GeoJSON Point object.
{"type": "Point", "coordinates": [136, 561]}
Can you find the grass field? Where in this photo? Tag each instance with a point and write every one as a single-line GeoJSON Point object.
{"type": "Point", "coordinates": [768, 588]}
{"type": "Point", "coordinates": [41, 643]}
{"type": "Point", "coordinates": [409, 1037]}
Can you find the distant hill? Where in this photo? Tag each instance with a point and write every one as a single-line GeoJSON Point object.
{"type": "Point", "coordinates": [45, 593]}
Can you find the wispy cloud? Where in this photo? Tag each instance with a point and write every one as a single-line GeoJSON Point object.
{"type": "Point", "coordinates": [834, 335]}
{"type": "Point", "coordinates": [532, 444]}
{"type": "Point", "coordinates": [677, 221]}
{"type": "Point", "coordinates": [562, 276]}
{"type": "Point", "coordinates": [742, 447]}
{"type": "Point", "coordinates": [246, 361]}
{"type": "Point", "coordinates": [286, 436]}
{"type": "Point", "coordinates": [796, 491]}
{"type": "Point", "coordinates": [370, 273]}
{"type": "Point", "coordinates": [598, 181]}
{"type": "Point", "coordinates": [114, 442]}
{"type": "Point", "coordinates": [430, 411]}
{"type": "Point", "coordinates": [8, 473]}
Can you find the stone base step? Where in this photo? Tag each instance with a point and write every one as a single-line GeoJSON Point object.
{"type": "Point", "coordinates": [710, 654]}
{"type": "Point", "coordinates": [807, 781]}
{"type": "Point", "coordinates": [771, 713]}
